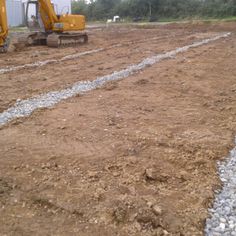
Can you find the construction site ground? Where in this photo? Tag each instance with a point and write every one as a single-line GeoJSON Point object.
{"type": "Point", "coordinates": [136, 157]}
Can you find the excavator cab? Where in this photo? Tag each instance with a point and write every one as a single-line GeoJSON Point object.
{"type": "Point", "coordinates": [32, 16]}
{"type": "Point", "coordinates": [34, 24]}
{"type": "Point", "coordinates": [4, 41]}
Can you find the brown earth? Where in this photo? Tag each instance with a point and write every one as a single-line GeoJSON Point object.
{"type": "Point", "coordinates": [135, 45]}
{"type": "Point", "coordinates": [137, 157]}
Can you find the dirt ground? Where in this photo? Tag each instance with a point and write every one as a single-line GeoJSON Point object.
{"type": "Point", "coordinates": [137, 157]}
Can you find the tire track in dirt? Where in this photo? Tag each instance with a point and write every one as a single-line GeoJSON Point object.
{"type": "Point", "coordinates": [26, 107]}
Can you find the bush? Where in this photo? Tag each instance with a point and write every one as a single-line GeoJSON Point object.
{"type": "Point", "coordinates": [150, 9]}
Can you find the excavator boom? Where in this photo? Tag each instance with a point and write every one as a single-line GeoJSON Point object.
{"type": "Point", "coordinates": [3, 27]}
{"type": "Point", "coordinates": [47, 14]}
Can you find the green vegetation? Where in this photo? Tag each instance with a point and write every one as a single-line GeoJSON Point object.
{"type": "Point", "coordinates": [155, 9]}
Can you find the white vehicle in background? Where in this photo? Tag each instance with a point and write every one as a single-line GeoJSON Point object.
{"type": "Point", "coordinates": [114, 20]}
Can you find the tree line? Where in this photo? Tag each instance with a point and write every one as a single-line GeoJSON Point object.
{"type": "Point", "coordinates": [155, 9]}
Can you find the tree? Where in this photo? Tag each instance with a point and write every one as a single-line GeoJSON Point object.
{"type": "Point", "coordinates": [79, 7]}
{"type": "Point", "coordinates": [104, 9]}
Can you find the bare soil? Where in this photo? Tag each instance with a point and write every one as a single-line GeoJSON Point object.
{"type": "Point", "coordinates": [137, 157]}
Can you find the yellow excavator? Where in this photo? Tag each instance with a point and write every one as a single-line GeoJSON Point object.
{"type": "Point", "coordinates": [4, 41]}
{"type": "Point", "coordinates": [48, 28]}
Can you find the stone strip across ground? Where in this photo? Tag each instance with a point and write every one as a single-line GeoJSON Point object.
{"type": "Point", "coordinates": [24, 108]}
{"type": "Point", "coordinates": [65, 58]}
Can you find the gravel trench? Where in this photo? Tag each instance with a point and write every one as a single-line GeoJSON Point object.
{"type": "Point", "coordinates": [222, 221]}
{"type": "Point", "coordinates": [24, 108]}
{"type": "Point", "coordinates": [46, 62]}
{"type": "Point", "coordinates": [66, 58]}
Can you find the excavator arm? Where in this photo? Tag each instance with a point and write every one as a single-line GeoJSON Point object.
{"type": "Point", "coordinates": [47, 14]}
{"type": "Point", "coordinates": [3, 27]}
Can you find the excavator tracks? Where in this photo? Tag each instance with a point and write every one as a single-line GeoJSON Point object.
{"type": "Point", "coordinates": [65, 40]}
{"type": "Point", "coordinates": [31, 39]}
{"type": "Point", "coordinates": [4, 48]}
{"type": "Point", "coordinates": [54, 40]}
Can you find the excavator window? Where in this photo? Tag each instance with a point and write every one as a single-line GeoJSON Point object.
{"type": "Point", "coordinates": [32, 16]}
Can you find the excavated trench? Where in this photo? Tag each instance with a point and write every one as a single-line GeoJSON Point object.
{"type": "Point", "coordinates": [222, 219]}
{"type": "Point", "coordinates": [158, 135]}
{"type": "Point", "coordinates": [26, 107]}
{"type": "Point", "coordinates": [72, 56]}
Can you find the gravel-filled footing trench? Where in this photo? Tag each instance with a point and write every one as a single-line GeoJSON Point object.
{"type": "Point", "coordinates": [26, 107]}
{"type": "Point", "coordinates": [223, 213]}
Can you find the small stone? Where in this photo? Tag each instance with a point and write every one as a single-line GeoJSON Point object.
{"type": "Point", "coordinates": [217, 229]}
{"type": "Point", "coordinates": [231, 226]}
{"type": "Point", "coordinates": [227, 209]}
{"type": "Point", "coordinates": [183, 176]}
{"type": "Point", "coordinates": [165, 232]}
{"type": "Point", "coordinates": [116, 174]}
{"type": "Point", "coordinates": [223, 179]}
{"type": "Point", "coordinates": [150, 174]}
{"type": "Point", "coordinates": [222, 226]}
{"type": "Point", "coordinates": [157, 210]}
{"type": "Point", "coordinates": [132, 159]}
{"type": "Point", "coordinates": [132, 190]}
{"type": "Point", "coordinates": [92, 174]}
{"type": "Point", "coordinates": [223, 220]}
{"type": "Point", "coordinates": [217, 234]}
{"type": "Point", "coordinates": [231, 222]}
